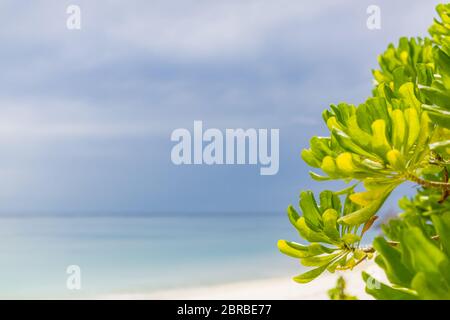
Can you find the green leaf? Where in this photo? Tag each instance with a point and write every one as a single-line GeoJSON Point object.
{"type": "Point", "coordinates": [318, 261]}
{"type": "Point", "coordinates": [293, 215]}
{"type": "Point", "coordinates": [350, 238]}
{"type": "Point", "coordinates": [396, 271]}
{"type": "Point", "coordinates": [316, 249]}
{"type": "Point", "coordinates": [318, 177]}
{"type": "Point", "coordinates": [329, 200]}
{"type": "Point", "coordinates": [412, 119]}
{"type": "Point", "coordinates": [309, 157]}
{"type": "Point", "coordinates": [442, 147]}
{"type": "Point", "coordinates": [437, 97]}
{"type": "Point", "coordinates": [309, 234]}
{"type": "Point", "coordinates": [310, 210]}
{"type": "Point", "coordinates": [406, 91]}
{"type": "Point", "coordinates": [429, 287]}
{"type": "Point", "coordinates": [293, 249]}
{"type": "Point", "coordinates": [442, 224]}
{"type": "Point", "coordinates": [310, 275]}
{"type": "Point", "coordinates": [382, 291]}
{"type": "Point", "coordinates": [364, 214]}
{"type": "Point", "coordinates": [330, 217]}
{"type": "Point", "coordinates": [399, 129]}
{"type": "Point", "coordinates": [419, 252]}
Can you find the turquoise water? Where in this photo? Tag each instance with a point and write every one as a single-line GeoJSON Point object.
{"type": "Point", "coordinates": [139, 254]}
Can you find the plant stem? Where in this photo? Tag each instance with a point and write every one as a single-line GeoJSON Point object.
{"type": "Point", "coordinates": [427, 183]}
{"type": "Point", "coordinates": [445, 191]}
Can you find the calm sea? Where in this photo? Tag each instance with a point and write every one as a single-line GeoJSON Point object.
{"type": "Point", "coordinates": [130, 254]}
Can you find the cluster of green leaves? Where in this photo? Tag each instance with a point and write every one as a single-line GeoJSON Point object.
{"type": "Point", "coordinates": [381, 143]}
{"type": "Point", "coordinates": [333, 246]}
{"type": "Point", "coordinates": [416, 258]}
{"type": "Point", "coordinates": [338, 292]}
{"type": "Point", "coordinates": [401, 133]}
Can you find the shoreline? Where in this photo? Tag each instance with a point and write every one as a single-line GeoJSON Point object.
{"type": "Point", "coordinates": [267, 289]}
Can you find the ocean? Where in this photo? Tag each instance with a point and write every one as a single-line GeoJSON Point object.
{"type": "Point", "coordinates": [136, 254]}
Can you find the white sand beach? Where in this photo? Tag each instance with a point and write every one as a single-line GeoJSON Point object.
{"type": "Point", "coordinates": [275, 288]}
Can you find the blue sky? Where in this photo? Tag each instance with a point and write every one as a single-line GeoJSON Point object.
{"type": "Point", "coordinates": [86, 116]}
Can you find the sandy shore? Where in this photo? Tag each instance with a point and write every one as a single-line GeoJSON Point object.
{"type": "Point", "coordinates": [275, 288]}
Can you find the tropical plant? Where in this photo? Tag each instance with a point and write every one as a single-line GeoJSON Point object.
{"type": "Point", "coordinates": [401, 133]}
{"type": "Point", "coordinates": [338, 292]}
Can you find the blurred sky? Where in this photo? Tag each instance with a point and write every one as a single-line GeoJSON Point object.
{"type": "Point", "coordinates": [86, 116]}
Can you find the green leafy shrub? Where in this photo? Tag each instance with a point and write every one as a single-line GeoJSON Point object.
{"type": "Point", "coordinates": [401, 133]}
{"type": "Point", "coordinates": [338, 292]}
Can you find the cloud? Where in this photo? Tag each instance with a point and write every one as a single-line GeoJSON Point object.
{"type": "Point", "coordinates": [203, 29]}
{"type": "Point", "coordinates": [192, 28]}
{"type": "Point", "coordinates": [85, 117]}
{"type": "Point", "coordinates": [26, 121]}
